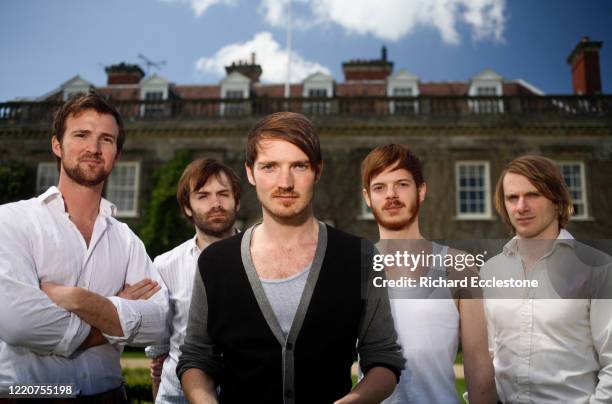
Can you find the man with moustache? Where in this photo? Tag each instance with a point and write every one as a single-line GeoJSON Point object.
{"type": "Point", "coordinates": [278, 312]}
{"type": "Point", "coordinates": [208, 194]}
{"type": "Point", "coordinates": [429, 326]}
{"type": "Point", "coordinates": [546, 347]}
{"type": "Point", "coordinates": [64, 260]}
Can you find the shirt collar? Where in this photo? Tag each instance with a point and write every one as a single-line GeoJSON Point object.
{"type": "Point", "coordinates": [53, 194]}
{"type": "Point", "coordinates": [564, 238]}
{"type": "Point", "coordinates": [193, 245]}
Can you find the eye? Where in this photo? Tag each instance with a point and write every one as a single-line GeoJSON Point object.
{"type": "Point", "coordinates": [378, 188]}
{"type": "Point", "coordinates": [404, 184]}
{"type": "Point", "coordinates": [301, 166]}
{"type": "Point", "coordinates": [109, 139]}
{"type": "Point", "coordinates": [512, 198]}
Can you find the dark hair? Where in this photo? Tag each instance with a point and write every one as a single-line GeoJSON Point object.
{"type": "Point", "coordinates": [197, 173]}
{"type": "Point", "coordinates": [80, 103]}
{"type": "Point", "coordinates": [391, 155]}
{"type": "Point", "coordinates": [544, 174]}
{"type": "Point", "coordinates": [289, 126]}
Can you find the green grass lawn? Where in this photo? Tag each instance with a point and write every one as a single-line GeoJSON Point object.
{"type": "Point", "coordinates": [133, 354]}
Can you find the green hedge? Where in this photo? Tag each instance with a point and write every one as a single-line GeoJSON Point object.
{"type": "Point", "coordinates": [138, 385]}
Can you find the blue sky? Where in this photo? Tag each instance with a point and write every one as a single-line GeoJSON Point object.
{"type": "Point", "coordinates": [45, 42]}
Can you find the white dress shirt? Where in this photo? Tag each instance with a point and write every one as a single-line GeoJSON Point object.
{"type": "Point", "coordinates": [177, 268]}
{"type": "Point", "coordinates": [39, 340]}
{"type": "Point", "coordinates": [547, 349]}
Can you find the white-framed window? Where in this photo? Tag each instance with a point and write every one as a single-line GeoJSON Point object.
{"type": "Point", "coordinates": [486, 84]}
{"type": "Point", "coordinates": [403, 84]}
{"type": "Point", "coordinates": [46, 176]}
{"type": "Point", "coordinates": [574, 175]}
{"type": "Point", "coordinates": [317, 107]}
{"type": "Point", "coordinates": [235, 108]}
{"type": "Point", "coordinates": [153, 105]}
{"type": "Point", "coordinates": [473, 189]}
{"type": "Point", "coordinates": [403, 107]}
{"type": "Point", "coordinates": [122, 188]}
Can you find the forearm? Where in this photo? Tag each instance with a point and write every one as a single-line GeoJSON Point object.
{"type": "Point", "coordinates": [95, 310]}
{"type": "Point", "coordinates": [377, 385]}
{"type": "Point", "coordinates": [198, 387]}
{"type": "Point", "coordinates": [480, 383]}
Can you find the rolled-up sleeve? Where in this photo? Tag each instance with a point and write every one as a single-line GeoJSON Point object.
{"type": "Point", "coordinates": [199, 350]}
{"type": "Point", "coordinates": [143, 321]}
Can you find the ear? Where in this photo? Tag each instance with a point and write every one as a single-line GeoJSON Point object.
{"type": "Point", "coordinates": [250, 175]}
{"type": "Point", "coordinates": [318, 171]}
{"type": "Point", "coordinates": [237, 206]}
{"type": "Point", "coordinates": [422, 192]}
{"type": "Point", "coordinates": [56, 146]}
{"type": "Point", "coordinates": [188, 211]}
{"type": "Point", "coordinates": [366, 196]}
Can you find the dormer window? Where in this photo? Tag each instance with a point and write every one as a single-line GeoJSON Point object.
{"type": "Point", "coordinates": [486, 84]}
{"type": "Point", "coordinates": [154, 92]}
{"type": "Point", "coordinates": [235, 86]}
{"type": "Point", "coordinates": [319, 86]}
{"type": "Point", "coordinates": [403, 85]}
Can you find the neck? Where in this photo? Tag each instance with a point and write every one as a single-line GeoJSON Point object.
{"type": "Point", "coordinates": [534, 248]}
{"type": "Point", "coordinates": [410, 232]}
{"type": "Point", "coordinates": [203, 240]}
{"type": "Point", "coordinates": [295, 230]}
{"type": "Point", "coordinates": [81, 201]}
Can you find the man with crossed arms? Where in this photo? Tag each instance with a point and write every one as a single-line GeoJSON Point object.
{"type": "Point", "coordinates": [66, 265]}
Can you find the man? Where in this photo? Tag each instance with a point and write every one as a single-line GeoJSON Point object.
{"type": "Point", "coordinates": [209, 196]}
{"type": "Point", "coordinates": [63, 261]}
{"type": "Point", "coordinates": [544, 350]}
{"type": "Point", "coordinates": [429, 326]}
{"type": "Point", "coordinates": [277, 311]}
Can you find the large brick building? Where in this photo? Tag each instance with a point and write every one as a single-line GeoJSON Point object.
{"type": "Point", "coordinates": [464, 132]}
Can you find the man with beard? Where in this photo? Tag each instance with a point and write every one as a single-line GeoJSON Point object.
{"type": "Point", "coordinates": [64, 261]}
{"type": "Point", "coordinates": [278, 311]}
{"type": "Point", "coordinates": [209, 196]}
{"type": "Point", "coordinates": [429, 324]}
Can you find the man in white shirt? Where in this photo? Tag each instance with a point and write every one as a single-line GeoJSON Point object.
{"type": "Point", "coordinates": [66, 307]}
{"type": "Point", "coordinates": [429, 326]}
{"type": "Point", "coordinates": [209, 196]}
{"type": "Point", "coordinates": [548, 346]}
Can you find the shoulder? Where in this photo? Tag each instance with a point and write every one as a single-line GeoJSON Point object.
{"type": "Point", "coordinates": [174, 255]}
{"type": "Point", "coordinates": [16, 215]}
{"type": "Point", "coordinates": [339, 237]}
{"type": "Point", "coordinates": [493, 265]}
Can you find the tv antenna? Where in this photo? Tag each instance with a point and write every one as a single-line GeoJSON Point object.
{"type": "Point", "coordinates": [149, 63]}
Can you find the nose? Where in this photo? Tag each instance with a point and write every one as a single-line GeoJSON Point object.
{"type": "Point", "coordinates": [391, 192]}
{"type": "Point", "coordinates": [94, 145]}
{"type": "Point", "coordinates": [285, 178]}
{"type": "Point", "coordinates": [521, 205]}
{"type": "Point", "coordinates": [216, 202]}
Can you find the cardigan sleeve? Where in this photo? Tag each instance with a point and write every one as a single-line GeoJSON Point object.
{"type": "Point", "coordinates": [199, 351]}
{"type": "Point", "coordinates": [377, 344]}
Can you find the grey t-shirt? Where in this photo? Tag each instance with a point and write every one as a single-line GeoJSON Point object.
{"type": "Point", "coordinates": [284, 296]}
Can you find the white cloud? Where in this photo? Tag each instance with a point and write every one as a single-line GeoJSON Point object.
{"type": "Point", "coordinates": [270, 55]}
{"type": "Point", "coordinates": [199, 7]}
{"type": "Point", "coordinates": [393, 19]}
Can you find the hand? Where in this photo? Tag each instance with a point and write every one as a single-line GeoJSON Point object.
{"type": "Point", "coordinates": [140, 291]}
{"type": "Point", "coordinates": [63, 296]}
{"type": "Point", "coordinates": [157, 365]}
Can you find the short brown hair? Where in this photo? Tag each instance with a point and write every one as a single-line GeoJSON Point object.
{"type": "Point", "coordinates": [197, 173]}
{"type": "Point", "coordinates": [391, 155]}
{"type": "Point", "coordinates": [545, 176]}
{"type": "Point", "coordinates": [80, 103]}
{"type": "Point", "coordinates": [289, 126]}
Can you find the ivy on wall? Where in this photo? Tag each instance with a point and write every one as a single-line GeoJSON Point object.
{"type": "Point", "coordinates": [15, 181]}
{"type": "Point", "coordinates": [164, 226]}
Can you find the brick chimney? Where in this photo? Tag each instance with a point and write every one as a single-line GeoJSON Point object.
{"type": "Point", "coordinates": [252, 70]}
{"type": "Point", "coordinates": [373, 69]}
{"type": "Point", "coordinates": [584, 60]}
{"type": "Point", "coordinates": [123, 73]}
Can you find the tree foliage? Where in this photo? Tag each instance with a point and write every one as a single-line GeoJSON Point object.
{"type": "Point", "coordinates": [164, 227]}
